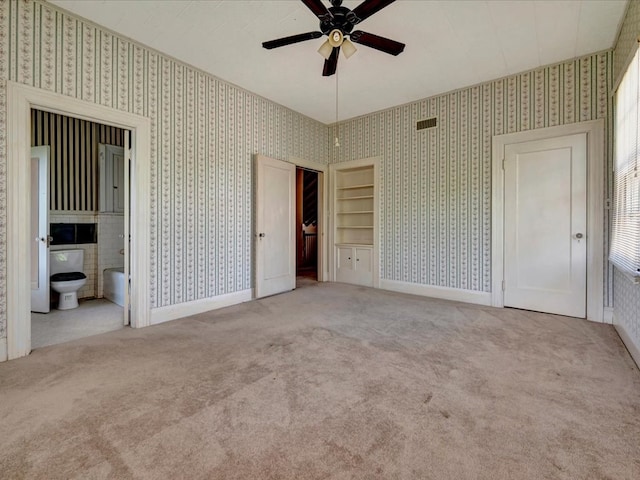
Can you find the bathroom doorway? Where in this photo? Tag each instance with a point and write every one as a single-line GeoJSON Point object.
{"type": "Point", "coordinates": [20, 100]}
{"type": "Point", "coordinates": [80, 262]}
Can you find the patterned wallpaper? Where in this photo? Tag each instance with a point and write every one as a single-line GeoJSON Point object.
{"type": "Point", "coordinates": [204, 133]}
{"type": "Point", "coordinates": [436, 184]}
{"type": "Point", "coordinates": [73, 157]}
{"type": "Point", "coordinates": [627, 38]}
{"type": "Point", "coordinates": [627, 295]}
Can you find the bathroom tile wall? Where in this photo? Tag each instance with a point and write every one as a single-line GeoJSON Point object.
{"type": "Point", "coordinates": [110, 244]}
{"type": "Point", "coordinates": [90, 268]}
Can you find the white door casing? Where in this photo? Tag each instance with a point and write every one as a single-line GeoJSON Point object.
{"type": "Point", "coordinates": [39, 229]}
{"type": "Point", "coordinates": [275, 226]}
{"type": "Point", "coordinates": [323, 212]}
{"type": "Point", "coordinates": [20, 100]}
{"type": "Point", "coordinates": [545, 225]}
{"type": "Point", "coordinates": [595, 209]}
{"type": "Point", "coordinates": [126, 207]}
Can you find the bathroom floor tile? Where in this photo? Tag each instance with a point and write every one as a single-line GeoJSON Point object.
{"type": "Point", "coordinates": [92, 317]}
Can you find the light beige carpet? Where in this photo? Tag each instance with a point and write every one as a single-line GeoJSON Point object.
{"type": "Point", "coordinates": [329, 382]}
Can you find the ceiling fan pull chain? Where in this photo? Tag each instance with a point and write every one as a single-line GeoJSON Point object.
{"type": "Point", "coordinates": [337, 141]}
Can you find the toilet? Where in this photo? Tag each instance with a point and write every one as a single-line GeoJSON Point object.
{"type": "Point", "coordinates": [65, 267]}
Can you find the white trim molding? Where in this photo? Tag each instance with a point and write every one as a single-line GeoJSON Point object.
{"type": "Point", "coordinates": [181, 310]}
{"type": "Point", "coordinates": [323, 212]}
{"type": "Point", "coordinates": [633, 349]}
{"type": "Point", "coordinates": [608, 315]}
{"type": "Point", "coordinates": [3, 349]}
{"type": "Point", "coordinates": [433, 291]}
{"type": "Point", "coordinates": [20, 100]}
{"type": "Point", "coordinates": [595, 203]}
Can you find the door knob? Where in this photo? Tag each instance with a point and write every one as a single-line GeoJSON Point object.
{"type": "Point", "coordinates": [579, 236]}
{"type": "Point", "coordinates": [261, 235]}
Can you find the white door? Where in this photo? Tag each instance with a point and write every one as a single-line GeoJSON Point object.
{"type": "Point", "coordinates": [40, 229]}
{"type": "Point", "coordinates": [275, 227]}
{"type": "Point", "coordinates": [545, 225]}
{"type": "Point", "coordinates": [363, 266]}
{"type": "Point", "coordinates": [112, 181]}
{"type": "Point", "coordinates": [126, 196]}
{"type": "Point", "coordinates": [119, 186]}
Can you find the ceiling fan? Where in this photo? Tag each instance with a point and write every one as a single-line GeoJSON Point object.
{"type": "Point", "coordinates": [337, 23]}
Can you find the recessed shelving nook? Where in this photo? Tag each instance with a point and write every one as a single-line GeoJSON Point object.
{"type": "Point", "coordinates": [354, 189]}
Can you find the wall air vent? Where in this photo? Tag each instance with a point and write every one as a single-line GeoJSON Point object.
{"type": "Point", "coordinates": [428, 123]}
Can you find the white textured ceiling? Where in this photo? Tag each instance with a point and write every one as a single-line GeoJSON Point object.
{"type": "Point", "coordinates": [450, 44]}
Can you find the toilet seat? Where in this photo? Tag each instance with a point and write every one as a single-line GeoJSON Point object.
{"type": "Point", "coordinates": [67, 276]}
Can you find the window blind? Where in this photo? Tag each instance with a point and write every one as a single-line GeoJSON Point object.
{"type": "Point", "coordinates": [625, 241]}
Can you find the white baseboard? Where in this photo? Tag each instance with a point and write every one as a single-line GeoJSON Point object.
{"type": "Point", "coordinates": [3, 349]}
{"type": "Point", "coordinates": [445, 293]}
{"type": "Point", "coordinates": [634, 349]}
{"type": "Point", "coordinates": [607, 316]}
{"type": "Point", "coordinates": [173, 312]}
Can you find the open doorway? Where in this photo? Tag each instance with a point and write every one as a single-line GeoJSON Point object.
{"type": "Point", "coordinates": [79, 198]}
{"type": "Point", "coordinates": [21, 99]}
{"type": "Point", "coordinates": [279, 234]}
{"type": "Point", "coordinates": [307, 202]}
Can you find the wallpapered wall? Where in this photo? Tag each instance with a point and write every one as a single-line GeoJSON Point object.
{"type": "Point", "coordinates": [73, 157]}
{"type": "Point", "coordinates": [204, 132]}
{"type": "Point", "coordinates": [626, 294]}
{"type": "Point", "coordinates": [436, 184]}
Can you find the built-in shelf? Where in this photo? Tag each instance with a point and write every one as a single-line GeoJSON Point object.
{"type": "Point", "coordinates": [354, 195]}
{"type": "Point", "coordinates": [343, 244]}
{"type": "Point", "coordinates": [354, 223]}
{"type": "Point", "coordinates": [361, 197]}
{"type": "Point", "coordinates": [354, 187]}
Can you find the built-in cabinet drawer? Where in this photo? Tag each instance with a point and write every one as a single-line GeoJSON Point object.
{"type": "Point", "coordinates": [354, 264]}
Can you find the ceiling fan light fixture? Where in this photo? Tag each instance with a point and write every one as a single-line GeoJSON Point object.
{"type": "Point", "coordinates": [337, 22]}
{"type": "Point", "coordinates": [348, 48]}
{"type": "Point", "coordinates": [336, 37]}
{"type": "Point", "coordinates": [325, 50]}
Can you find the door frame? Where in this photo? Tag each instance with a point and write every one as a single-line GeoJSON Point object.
{"type": "Point", "coordinates": [596, 166]}
{"type": "Point", "coordinates": [323, 212]}
{"type": "Point", "coordinates": [20, 100]}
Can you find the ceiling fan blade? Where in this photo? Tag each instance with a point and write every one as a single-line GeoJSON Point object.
{"type": "Point", "coordinates": [318, 9]}
{"type": "Point", "coordinates": [368, 8]}
{"type": "Point", "coordinates": [281, 42]}
{"type": "Point", "coordinates": [379, 43]}
{"type": "Point", "coordinates": [331, 65]}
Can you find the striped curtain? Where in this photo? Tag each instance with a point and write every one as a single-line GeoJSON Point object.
{"type": "Point", "coordinates": [73, 165]}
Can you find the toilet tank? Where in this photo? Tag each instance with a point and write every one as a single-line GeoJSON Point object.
{"type": "Point", "coordinates": [63, 261]}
